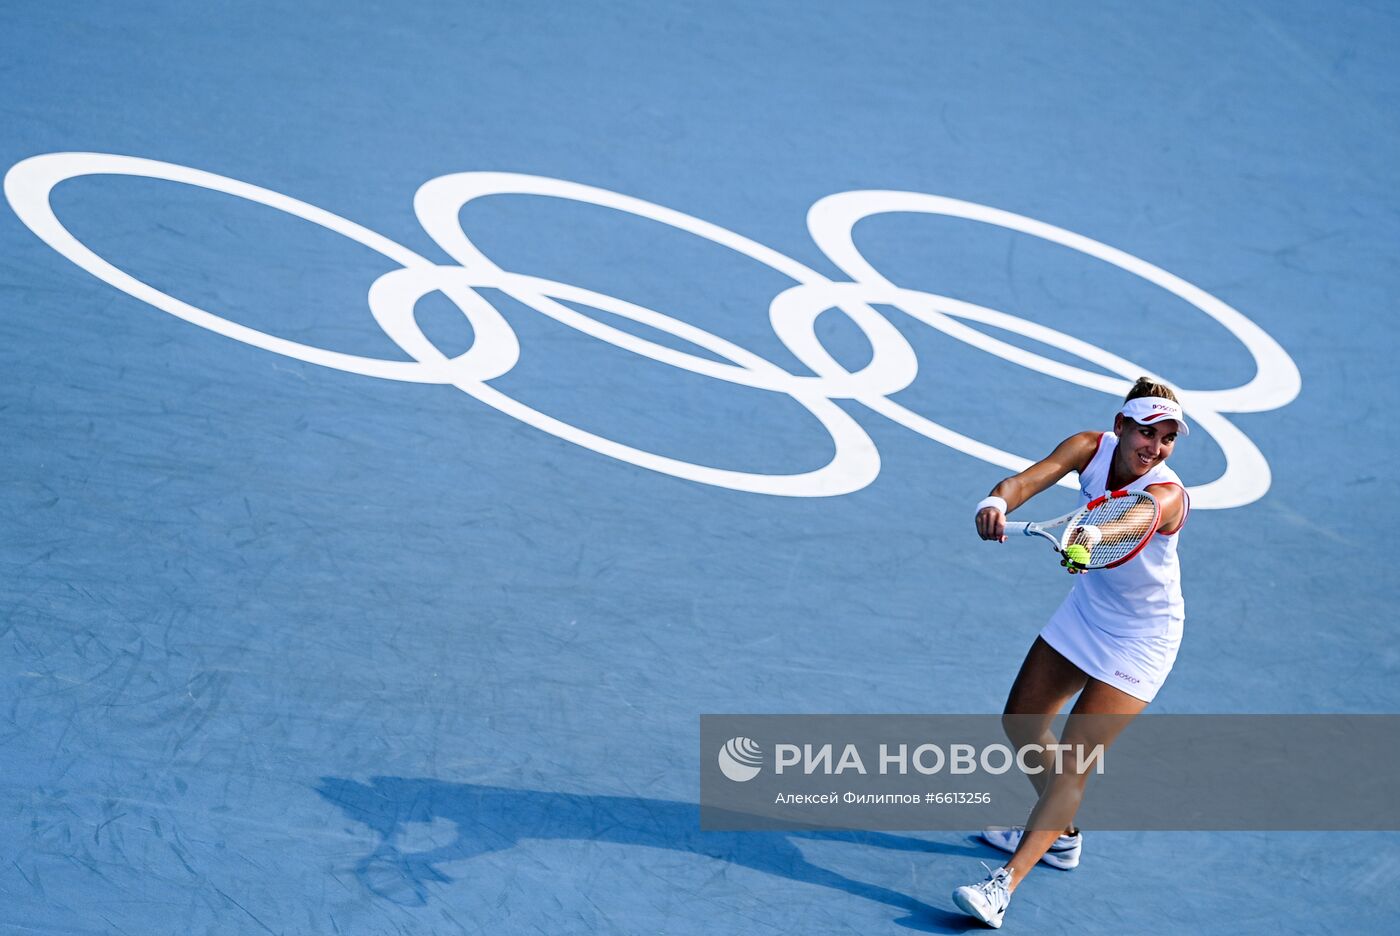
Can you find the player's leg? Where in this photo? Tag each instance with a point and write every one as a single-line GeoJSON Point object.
{"type": "Point", "coordinates": [1046, 682]}
{"type": "Point", "coordinates": [1098, 717]}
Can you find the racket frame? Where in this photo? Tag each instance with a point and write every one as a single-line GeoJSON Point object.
{"type": "Point", "coordinates": [1071, 523]}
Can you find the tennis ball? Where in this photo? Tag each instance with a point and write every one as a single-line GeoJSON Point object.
{"type": "Point", "coordinates": [1077, 553]}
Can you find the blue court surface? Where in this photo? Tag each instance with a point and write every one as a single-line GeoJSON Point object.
{"type": "Point", "coordinates": [416, 416]}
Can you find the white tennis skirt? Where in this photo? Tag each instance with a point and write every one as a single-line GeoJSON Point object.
{"type": "Point", "coordinates": [1138, 665]}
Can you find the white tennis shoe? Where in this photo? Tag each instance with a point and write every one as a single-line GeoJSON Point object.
{"type": "Point", "coordinates": [986, 901]}
{"type": "Point", "coordinates": [1063, 854]}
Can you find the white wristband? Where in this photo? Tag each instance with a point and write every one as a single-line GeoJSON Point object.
{"type": "Point", "coordinates": [1091, 533]}
{"type": "Point", "coordinates": [992, 501]}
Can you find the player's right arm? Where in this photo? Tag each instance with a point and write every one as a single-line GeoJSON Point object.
{"type": "Point", "coordinates": [1073, 454]}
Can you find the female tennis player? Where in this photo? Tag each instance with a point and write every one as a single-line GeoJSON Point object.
{"type": "Point", "coordinates": [1113, 639]}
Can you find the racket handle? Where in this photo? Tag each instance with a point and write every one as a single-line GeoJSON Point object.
{"type": "Point", "coordinates": [1017, 526]}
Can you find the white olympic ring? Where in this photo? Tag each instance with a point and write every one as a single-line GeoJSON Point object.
{"type": "Point", "coordinates": [792, 313]}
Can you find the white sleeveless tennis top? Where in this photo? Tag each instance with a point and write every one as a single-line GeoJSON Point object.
{"type": "Point", "coordinates": [1142, 597]}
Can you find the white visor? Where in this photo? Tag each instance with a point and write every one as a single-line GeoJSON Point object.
{"type": "Point", "coordinates": [1151, 409]}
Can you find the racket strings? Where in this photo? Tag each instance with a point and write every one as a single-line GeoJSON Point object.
{"type": "Point", "coordinates": [1123, 523]}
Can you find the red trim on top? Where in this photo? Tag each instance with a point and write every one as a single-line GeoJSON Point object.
{"type": "Point", "coordinates": [1097, 448]}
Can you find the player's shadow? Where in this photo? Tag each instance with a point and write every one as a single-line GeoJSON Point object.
{"type": "Point", "coordinates": [488, 819]}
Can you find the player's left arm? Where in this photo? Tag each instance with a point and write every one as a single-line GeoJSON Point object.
{"type": "Point", "coordinates": [1171, 499]}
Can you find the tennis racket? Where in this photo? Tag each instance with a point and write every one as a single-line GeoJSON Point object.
{"type": "Point", "coordinates": [1108, 531]}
